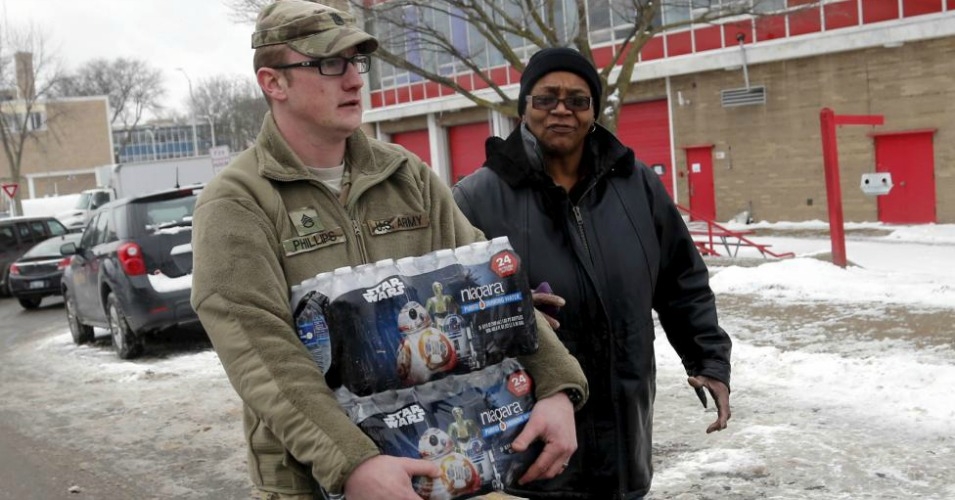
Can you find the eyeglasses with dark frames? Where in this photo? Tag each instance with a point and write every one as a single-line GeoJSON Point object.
{"type": "Point", "coordinates": [549, 102]}
{"type": "Point", "coordinates": [333, 66]}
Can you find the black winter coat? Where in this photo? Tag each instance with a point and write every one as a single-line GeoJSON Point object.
{"type": "Point", "coordinates": [615, 247]}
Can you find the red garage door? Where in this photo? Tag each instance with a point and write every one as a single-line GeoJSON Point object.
{"type": "Point", "coordinates": [466, 143]}
{"type": "Point", "coordinates": [645, 127]}
{"type": "Point", "coordinates": [415, 141]}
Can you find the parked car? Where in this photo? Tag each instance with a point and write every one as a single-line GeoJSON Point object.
{"type": "Point", "coordinates": [39, 272]}
{"type": "Point", "coordinates": [131, 271]}
{"type": "Point", "coordinates": [19, 234]}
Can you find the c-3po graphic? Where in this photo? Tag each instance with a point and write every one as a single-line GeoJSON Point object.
{"type": "Point", "coordinates": [466, 436]}
{"type": "Point", "coordinates": [440, 304]}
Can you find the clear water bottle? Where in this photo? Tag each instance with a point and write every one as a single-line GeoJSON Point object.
{"type": "Point", "coordinates": [312, 329]}
{"type": "Point", "coordinates": [408, 266]}
{"type": "Point", "coordinates": [323, 283]}
{"type": "Point", "coordinates": [343, 281]}
{"type": "Point", "coordinates": [384, 269]}
{"type": "Point", "coordinates": [482, 250]}
{"type": "Point", "coordinates": [444, 258]}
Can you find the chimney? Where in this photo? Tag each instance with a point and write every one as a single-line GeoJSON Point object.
{"type": "Point", "coordinates": [25, 76]}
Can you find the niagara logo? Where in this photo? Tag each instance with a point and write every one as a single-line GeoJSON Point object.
{"type": "Point", "coordinates": [406, 416]}
{"type": "Point", "coordinates": [481, 292]}
{"type": "Point", "coordinates": [387, 289]}
{"type": "Point", "coordinates": [501, 414]}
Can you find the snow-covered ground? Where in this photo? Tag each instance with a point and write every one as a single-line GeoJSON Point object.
{"type": "Point", "coordinates": [842, 384]}
{"type": "Point", "coordinates": [842, 378]}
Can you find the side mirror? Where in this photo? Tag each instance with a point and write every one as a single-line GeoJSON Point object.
{"type": "Point", "coordinates": [69, 249]}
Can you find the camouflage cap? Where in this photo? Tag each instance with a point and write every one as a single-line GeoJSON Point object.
{"type": "Point", "coordinates": [310, 28]}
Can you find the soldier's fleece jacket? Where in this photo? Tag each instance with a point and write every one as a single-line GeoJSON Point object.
{"type": "Point", "coordinates": [248, 252]}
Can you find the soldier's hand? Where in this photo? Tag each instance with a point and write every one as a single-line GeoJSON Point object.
{"type": "Point", "coordinates": [387, 477]}
{"type": "Point", "coordinates": [552, 421]}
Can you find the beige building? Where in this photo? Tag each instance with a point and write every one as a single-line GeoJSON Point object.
{"type": "Point", "coordinates": [729, 114]}
{"type": "Point", "coordinates": [67, 138]}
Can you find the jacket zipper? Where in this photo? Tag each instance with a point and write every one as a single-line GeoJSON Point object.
{"type": "Point", "coordinates": [360, 240]}
{"type": "Point", "coordinates": [350, 206]}
{"type": "Point", "coordinates": [578, 218]}
{"type": "Point", "coordinates": [580, 229]}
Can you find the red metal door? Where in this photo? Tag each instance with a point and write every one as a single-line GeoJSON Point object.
{"type": "Point", "coordinates": [699, 165]}
{"type": "Point", "coordinates": [645, 127]}
{"type": "Point", "coordinates": [466, 145]}
{"type": "Point", "coordinates": [910, 158]}
{"type": "Point", "coordinates": [415, 141]}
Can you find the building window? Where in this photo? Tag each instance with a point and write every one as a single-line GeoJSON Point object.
{"type": "Point", "coordinates": [16, 122]}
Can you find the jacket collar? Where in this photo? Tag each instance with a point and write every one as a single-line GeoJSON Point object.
{"type": "Point", "coordinates": [277, 160]}
{"type": "Point", "coordinates": [516, 159]}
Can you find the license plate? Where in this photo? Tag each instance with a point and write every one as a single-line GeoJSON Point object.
{"type": "Point", "coordinates": [37, 284]}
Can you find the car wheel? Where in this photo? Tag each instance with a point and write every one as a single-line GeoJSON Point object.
{"type": "Point", "coordinates": [82, 334]}
{"type": "Point", "coordinates": [127, 343]}
{"type": "Point", "coordinates": [30, 302]}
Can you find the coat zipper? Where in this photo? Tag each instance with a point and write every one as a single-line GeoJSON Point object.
{"type": "Point", "coordinates": [360, 240]}
{"type": "Point", "coordinates": [580, 230]}
{"type": "Point", "coordinates": [578, 218]}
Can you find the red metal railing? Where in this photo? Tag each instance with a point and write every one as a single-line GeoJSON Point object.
{"type": "Point", "coordinates": [713, 234]}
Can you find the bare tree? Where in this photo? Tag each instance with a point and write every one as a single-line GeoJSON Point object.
{"type": "Point", "coordinates": [133, 88]}
{"type": "Point", "coordinates": [439, 40]}
{"type": "Point", "coordinates": [234, 105]}
{"type": "Point", "coordinates": [28, 73]}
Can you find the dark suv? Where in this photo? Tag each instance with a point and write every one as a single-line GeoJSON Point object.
{"type": "Point", "coordinates": [19, 234]}
{"type": "Point", "coordinates": [132, 270]}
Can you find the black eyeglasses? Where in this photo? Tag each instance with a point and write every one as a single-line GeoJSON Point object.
{"type": "Point", "coordinates": [333, 66]}
{"type": "Point", "coordinates": [549, 102]}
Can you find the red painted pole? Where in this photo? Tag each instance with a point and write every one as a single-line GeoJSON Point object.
{"type": "Point", "coordinates": [830, 157]}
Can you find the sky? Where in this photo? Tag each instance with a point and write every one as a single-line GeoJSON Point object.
{"type": "Point", "coordinates": [198, 36]}
{"type": "Point", "coordinates": [822, 407]}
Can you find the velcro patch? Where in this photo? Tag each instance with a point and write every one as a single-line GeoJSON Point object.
{"type": "Point", "coordinates": [378, 227]}
{"type": "Point", "coordinates": [306, 221]}
{"type": "Point", "coordinates": [313, 241]}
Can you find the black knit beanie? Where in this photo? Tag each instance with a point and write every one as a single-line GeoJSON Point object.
{"type": "Point", "coordinates": [552, 59]}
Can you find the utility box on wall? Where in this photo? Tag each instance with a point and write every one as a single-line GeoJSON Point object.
{"type": "Point", "coordinates": [876, 184]}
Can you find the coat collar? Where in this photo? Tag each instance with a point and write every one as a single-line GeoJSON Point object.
{"type": "Point", "coordinates": [509, 158]}
{"type": "Point", "coordinates": [278, 161]}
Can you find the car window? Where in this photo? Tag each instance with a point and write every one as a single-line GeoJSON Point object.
{"type": "Point", "coordinates": [89, 235]}
{"type": "Point", "coordinates": [48, 248]}
{"type": "Point", "coordinates": [101, 232]}
{"type": "Point", "coordinates": [172, 211]}
{"type": "Point", "coordinates": [100, 198]}
{"type": "Point", "coordinates": [26, 234]}
{"type": "Point", "coordinates": [38, 228]}
{"type": "Point", "coordinates": [7, 238]}
{"type": "Point", "coordinates": [55, 227]}
{"type": "Point", "coordinates": [109, 229]}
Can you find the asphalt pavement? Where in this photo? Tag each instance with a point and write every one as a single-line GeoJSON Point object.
{"type": "Point", "coordinates": [32, 466]}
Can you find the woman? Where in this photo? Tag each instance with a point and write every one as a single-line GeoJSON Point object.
{"type": "Point", "coordinates": [599, 227]}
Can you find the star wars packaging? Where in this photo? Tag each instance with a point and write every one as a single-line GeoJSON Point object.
{"type": "Point", "coordinates": [463, 423]}
{"type": "Point", "coordinates": [398, 324]}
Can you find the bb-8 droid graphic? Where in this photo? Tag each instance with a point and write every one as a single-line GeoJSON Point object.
{"type": "Point", "coordinates": [423, 350]}
{"type": "Point", "coordinates": [459, 476]}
